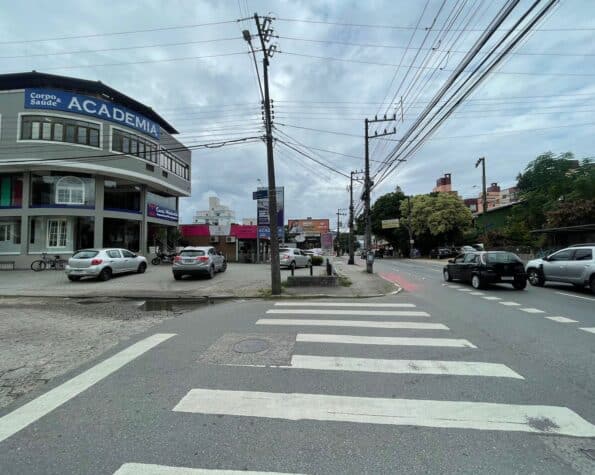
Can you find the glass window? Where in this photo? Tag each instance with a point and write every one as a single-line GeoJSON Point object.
{"type": "Point", "coordinates": [583, 255]}
{"type": "Point", "coordinates": [59, 129]}
{"type": "Point", "coordinates": [114, 254]}
{"type": "Point", "coordinates": [81, 135]}
{"type": "Point", "coordinates": [58, 132]}
{"type": "Point", "coordinates": [35, 127]}
{"type": "Point", "coordinates": [121, 233]}
{"type": "Point", "coordinates": [501, 258]}
{"type": "Point", "coordinates": [85, 254]}
{"type": "Point", "coordinates": [52, 189]}
{"type": "Point", "coordinates": [94, 137]}
{"type": "Point", "coordinates": [10, 235]}
{"type": "Point", "coordinates": [565, 255]}
{"type": "Point", "coordinates": [26, 130]}
{"type": "Point", "coordinates": [70, 190]}
{"type": "Point", "coordinates": [141, 149]}
{"type": "Point", "coordinates": [46, 131]}
{"type": "Point", "coordinates": [70, 131]}
{"type": "Point", "coordinates": [11, 191]}
{"type": "Point", "coordinates": [192, 253]}
{"type": "Point", "coordinates": [57, 232]}
{"type": "Point", "coordinates": [121, 195]}
{"type": "Point", "coordinates": [133, 147]}
{"type": "Point", "coordinates": [126, 253]}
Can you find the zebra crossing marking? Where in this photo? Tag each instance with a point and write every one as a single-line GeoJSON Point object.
{"type": "Point", "coordinates": [343, 304]}
{"type": "Point", "coordinates": [562, 319]}
{"type": "Point", "coordinates": [531, 310]}
{"type": "Point", "coordinates": [383, 340]}
{"type": "Point", "coordinates": [153, 469]}
{"type": "Point", "coordinates": [379, 313]}
{"type": "Point", "coordinates": [352, 323]}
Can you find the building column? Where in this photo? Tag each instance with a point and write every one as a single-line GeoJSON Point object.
{"type": "Point", "coordinates": [144, 228]}
{"type": "Point", "coordinates": [25, 213]}
{"type": "Point", "coordinates": [99, 208]}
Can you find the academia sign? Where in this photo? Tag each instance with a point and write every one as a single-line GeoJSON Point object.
{"type": "Point", "coordinates": [53, 99]}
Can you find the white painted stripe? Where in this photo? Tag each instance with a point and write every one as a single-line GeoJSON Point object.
{"type": "Point", "coordinates": [28, 413]}
{"type": "Point", "coordinates": [383, 340]}
{"type": "Point", "coordinates": [491, 298]}
{"type": "Point", "coordinates": [562, 319]}
{"type": "Point", "coordinates": [531, 310]}
{"type": "Point", "coordinates": [576, 296]}
{"type": "Point", "coordinates": [402, 412]}
{"type": "Point", "coordinates": [464, 290]}
{"type": "Point", "coordinates": [352, 323]}
{"type": "Point", "coordinates": [476, 293]}
{"type": "Point", "coordinates": [510, 304]}
{"type": "Point", "coordinates": [456, 368]}
{"type": "Point", "coordinates": [151, 469]}
{"type": "Point", "coordinates": [326, 303]}
{"type": "Point", "coordinates": [380, 313]}
{"type": "Point", "coordinates": [588, 329]}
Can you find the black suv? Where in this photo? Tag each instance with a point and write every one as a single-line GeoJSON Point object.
{"type": "Point", "coordinates": [492, 267]}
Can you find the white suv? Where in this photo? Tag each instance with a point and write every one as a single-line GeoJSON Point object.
{"type": "Point", "coordinates": [573, 265]}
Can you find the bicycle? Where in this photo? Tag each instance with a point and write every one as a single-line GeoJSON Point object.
{"type": "Point", "coordinates": [54, 263]}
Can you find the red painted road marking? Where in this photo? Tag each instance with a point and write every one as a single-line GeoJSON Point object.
{"type": "Point", "coordinates": [400, 280]}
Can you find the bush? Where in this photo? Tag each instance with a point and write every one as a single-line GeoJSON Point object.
{"type": "Point", "coordinates": [317, 260]}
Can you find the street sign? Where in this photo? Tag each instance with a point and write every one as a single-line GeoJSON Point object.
{"type": "Point", "coordinates": [390, 223]}
{"type": "Point", "coordinates": [260, 194]}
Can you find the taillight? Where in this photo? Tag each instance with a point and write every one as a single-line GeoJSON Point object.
{"type": "Point", "coordinates": [285, 256]}
{"type": "Point", "coordinates": [177, 258]}
{"type": "Point", "coordinates": [202, 258]}
{"type": "Point", "coordinates": [96, 262]}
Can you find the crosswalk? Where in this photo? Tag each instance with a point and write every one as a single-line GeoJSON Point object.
{"type": "Point", "coordinates": [375, 327]}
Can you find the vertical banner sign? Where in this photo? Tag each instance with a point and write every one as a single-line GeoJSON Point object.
{"type": "Point", "coordinates": [262, 213]}
{"type": "Point", "coordinates": [326, 241]}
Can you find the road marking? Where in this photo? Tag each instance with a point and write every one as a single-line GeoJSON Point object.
{"type": "Point", "coordinates": [455, 368]}
{"type": "Point", "coordinates": [379, 313]}
{"type": "Point", "coordinates": [352, 323]}
{"type": "Point", "coordinates": [343, 304]}
{"type": "Point", "coordinates": [464, 290]}
{"type": "Point", "coordinates": [549, 420]}
{"type": "Point", "coordinates": [588, 329]}
{"type": "Point", "coordinates": [383, 340]}
{"type": "Point", "coordinates": [151, 469]}
{"type": "Point", "coordinates": [510, 304]}
{"type": "Point", "coordinates": [492, 298]}
{"type": "Point", "coordinates": [576, 296]}
{"type": "Point", "coordinates": [562, 319]}
{"type": "Point", "coordinates": [28, 413]}
{"type": "Point", "coordinates": [476, 293]}
{"type": "Point", "coordinates": [531, 310]}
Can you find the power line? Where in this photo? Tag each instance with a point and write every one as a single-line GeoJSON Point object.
{"type": "Point", "coordinates": [311, 158]}
{"type": "Point", "coordinates": [328, 131]}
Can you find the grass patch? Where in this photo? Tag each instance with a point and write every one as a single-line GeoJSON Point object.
{"type": "Point", "coordinates": [265, 293]}
{"type": "Point", "coordinates": [344, 281]}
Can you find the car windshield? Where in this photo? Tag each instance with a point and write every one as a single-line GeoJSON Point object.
{"type": "Point", "coordinates": [501, 258]}
{"type": "Point", "coordinates": [192, 253]}
{"type": "Point", "coordinates": [85, 254]}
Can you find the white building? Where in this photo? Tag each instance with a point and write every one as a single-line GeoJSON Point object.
{"type": "Point", "coordinates": [216, 215]}
{"type": "Point", "coordinates": [249, 222]}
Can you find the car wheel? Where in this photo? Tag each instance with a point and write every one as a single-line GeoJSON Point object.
{"type": "Point", "coordinates": [519, 284]}
{"type": "Point", "coordinates": [292, 265]}
{"type": "Point", "coordinates": [476, 282]}
{"type": "Point", "coordinates": [211, 272]}
{"type": "Point", "coordinates": [446, 275]}
{"type": "Point", "coordinates": [177, 276]}
{"type": "Point", "coordinates": [74, 278]}
{"type": "Point", "coordinates": [535, 278]}
{"type": "Point", "coordinates": [224, 267]}
{"type": "Point", "coordinates": [155, 261]}
{"type": "Point", "coordinates": [105, 274]}
{"type": "Point", "coordinates": [142, 267]}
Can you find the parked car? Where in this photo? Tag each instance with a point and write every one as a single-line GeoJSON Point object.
{"type": "Point", "coordinates": [308, 252]}
{"type": "Point", "coordinates": [292, 258]}
{"type": "Point", "coordinates": [573, 265]}
{"type": "Point", "coordinates": [103, 263]}
{"type": "Point", "coordinates": [481, 268]}
{"type": "Point", "coordinates": [193, 261]}
{"type": "Point", "coordinates": [441, 253]}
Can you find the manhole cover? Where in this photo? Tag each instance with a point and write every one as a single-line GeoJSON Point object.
{"type": "Point", "coordinates": [251, 345]}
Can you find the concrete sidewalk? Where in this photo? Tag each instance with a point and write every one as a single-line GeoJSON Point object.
{"type": "Point", "coordinates": [240, 280]}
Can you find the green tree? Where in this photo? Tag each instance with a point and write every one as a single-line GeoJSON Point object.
{"type": "Point", "coordinates": [388, 206]}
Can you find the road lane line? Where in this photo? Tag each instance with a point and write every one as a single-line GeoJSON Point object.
{"type": "Point", "coordinates": [476, 293]}
{"type": "Point", "coordinates": [343, 304]}
{"type": "Point", "coordinates": [152, 469]}
{"type": "Point", "coordinates": [588, 329]}
{"type": "Point", "coordinates": [562, 319]}
{"type": "Point", "coordinates": [379, 313]}
{"type": "Point", "coordinates": [510, 304]}
{"type": "Point", "coordinates": [368, 365]}
{"type": "Point", "coordinates": [531, 310]}
{"type": "Point", "coordinates": [383, 340]}
{"type": "Point", "coordinates": [576, 296]}
{"type": "Point", "coordinates": [352, 323]}
{"type": "Point", "coordinates": [550, 420]}
{"type": "Point", "coordinates": [30, 412]}
{"type": "Point", "coordinates": [464, 290]}
{"type": "Point", "coordinates": [491, 298]}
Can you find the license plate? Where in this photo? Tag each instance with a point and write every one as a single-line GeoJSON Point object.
{"type": "Point", "coordinates": [188, 261]}
{"type": "Point", "coordinates": [74, 271]}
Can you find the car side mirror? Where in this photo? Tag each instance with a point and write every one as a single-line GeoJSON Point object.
{"type": "Point", "coordinates": [545, 258]}
{"type": "Point", "coordinates": [451, 261]}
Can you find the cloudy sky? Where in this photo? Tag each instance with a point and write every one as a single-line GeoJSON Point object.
{"type": "Point", "coordinates": [337, 62]}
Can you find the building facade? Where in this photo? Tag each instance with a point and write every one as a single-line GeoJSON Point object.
{"type": "Point", "coordinates": [497, 197]}
{"type": "Point", "coordinates": [216, 215]}
{"type": "Point", "coordinates": [83, 165]}
{"type": "Point", "coordinates": [443, 184]}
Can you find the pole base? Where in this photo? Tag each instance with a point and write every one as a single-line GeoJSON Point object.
{"type": "Point", "coordinates": [351, 261]}
{"type": "Point", "coordinates": [369, 268]}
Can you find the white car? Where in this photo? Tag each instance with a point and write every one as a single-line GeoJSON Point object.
{"type": "Point", "coordinates": [292, 258]}
{"type": "Point", "coordinates": [103, 263]}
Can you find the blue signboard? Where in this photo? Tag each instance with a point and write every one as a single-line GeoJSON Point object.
{"type": "Point", "coordinates": [264, 232]}
{"type": "Point", "coordinates": [54, 99]}
{"type": "Point", "coordinates": [262, 214]}
{"type": "Point", "coordinates": [260, 194]}
{"type": "Point", "coordinates": [156, 211]}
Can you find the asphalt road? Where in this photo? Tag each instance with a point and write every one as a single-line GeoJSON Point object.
{"type": "Point", "coordinates": [432, 380]}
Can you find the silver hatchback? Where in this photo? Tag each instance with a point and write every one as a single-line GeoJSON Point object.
{"type": "Point", "coordinates": [103, 263]}
{"type": "Point", "coordinates": [193, 261]}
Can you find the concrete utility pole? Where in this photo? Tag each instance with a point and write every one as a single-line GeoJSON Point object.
{"type": "Point", "coordinates": [409, 227]}
{"type": "Point", "coordinates": [265, 33]}
{"type": "Point", "coordinates": [368, 185]}
{"type": "Point", "coordinates": [351, 259]}
{"type": "Point", "coordinates": [482, 160]}
{"type": "Point", "coordinates": [340, 212]}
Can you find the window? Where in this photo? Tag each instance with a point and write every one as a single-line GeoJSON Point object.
{"type": "Point", "coordinates": [70, 190]}
{"type": "Point", "coordinates": [85, 254]}
{"type": "Point", "coordinates": [5, 232]}
{"type": "Point", "coordinates": [57, 232]}
{"type": "Point", "coordinates": [132, 144]}
{"type": "Point", "coordinates": [128, 254]}
{"type": "Point", "coordinates": [470, 258]}
{"type": "Point", "coordinates": [114, 254]}
{"type": "Point", "coordinates": [583, 255]}
{"type": "Point", "coordinates": [121, 195]}
{"type": "Point", "coordinates": [151, 168]}
{"type": "Point", "coordinates": [459, 259]}
{"type": "Point", "coordinates": [59, 129]}
{"type": "Point", "coordinates": [164, 173]}
{"type": "Point", "coordinates": [565, 255]}
{"type": "Point", "coordinates": [11, 191]}
{"type": "Point", "coordinates": [192, 253]}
